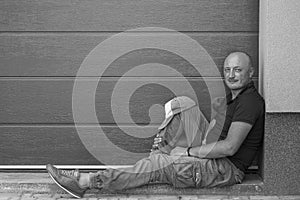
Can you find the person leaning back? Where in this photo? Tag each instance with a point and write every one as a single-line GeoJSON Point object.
{"type": "Point", "coordinates": [183, 153]}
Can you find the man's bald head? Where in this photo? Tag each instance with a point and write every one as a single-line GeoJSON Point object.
{"type": "Point", "coordinates": [243, 58]}
{"type": "Point", "coordinates": [238, 70]}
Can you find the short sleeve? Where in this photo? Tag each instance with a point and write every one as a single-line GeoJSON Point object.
{"type": "Point", "coordinates": [247, 110]}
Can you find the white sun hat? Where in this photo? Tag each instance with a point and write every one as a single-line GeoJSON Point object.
{"type": "Point", "coordinates": [174, 106]}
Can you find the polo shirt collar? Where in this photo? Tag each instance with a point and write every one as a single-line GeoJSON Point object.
{"type": "Point", "coordinates": [247, 89]}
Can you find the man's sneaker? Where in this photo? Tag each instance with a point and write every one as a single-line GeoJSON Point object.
{"type": "Point", "coordinates": [67, 180]}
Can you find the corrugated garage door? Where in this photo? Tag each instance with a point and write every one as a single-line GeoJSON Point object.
{"type": "Point", "coordinates": [43, 44]}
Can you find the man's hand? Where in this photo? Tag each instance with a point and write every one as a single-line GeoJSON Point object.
{"type": "Point", "coordinates": [157, 141]}
{"type": "Point", "coordinates": [178, 151]}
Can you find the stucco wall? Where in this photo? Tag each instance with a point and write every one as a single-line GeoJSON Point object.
{"type": "Point", "coordinates": [280, 54]}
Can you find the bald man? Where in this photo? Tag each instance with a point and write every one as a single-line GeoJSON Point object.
{"type": "Point", "coordinates": [198, 162]}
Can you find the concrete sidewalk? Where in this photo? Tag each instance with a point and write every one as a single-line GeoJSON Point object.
{"type": "Point", "coordinates": [36, 196]}
{"type": "Point", "coordinates": [30, 186]}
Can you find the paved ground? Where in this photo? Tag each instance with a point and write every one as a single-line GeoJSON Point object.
{"type": "Point", "coordinates": [38, 186]}
{"type": "Point", "coordinates": [33, 196]}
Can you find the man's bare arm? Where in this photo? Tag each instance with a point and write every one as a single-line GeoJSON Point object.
{"type": "Point", "coordinates": [237, 133]}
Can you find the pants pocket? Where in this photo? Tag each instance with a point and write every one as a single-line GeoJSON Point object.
{"type": "Point", "coordinates": [222, 170]}
{"type": "Point", "coordinates": [227, 172]}
{"type": "Point", "coordinates": [183, 174]}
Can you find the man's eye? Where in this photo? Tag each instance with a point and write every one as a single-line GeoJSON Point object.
{"type": "Point", "coordinates": [226, 70]}
{"type": "Point", "coordinates": [238, 70]}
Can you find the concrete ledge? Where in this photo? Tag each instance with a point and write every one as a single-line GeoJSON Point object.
{"type": "Point", "coordinates": [41, 183]}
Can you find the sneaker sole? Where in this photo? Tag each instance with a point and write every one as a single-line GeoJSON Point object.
{"type": "Point", "coordinates": [62, 187]}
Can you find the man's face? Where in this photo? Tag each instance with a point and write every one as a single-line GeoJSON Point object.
{"type": "Point", "coordinates": [237, 71]}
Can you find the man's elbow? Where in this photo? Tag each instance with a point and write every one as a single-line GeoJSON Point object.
{"type": "Point", "coordinates": [231, 150]}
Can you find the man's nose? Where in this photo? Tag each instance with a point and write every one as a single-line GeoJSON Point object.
{"type": "Point", "coordinates": [231, 74]}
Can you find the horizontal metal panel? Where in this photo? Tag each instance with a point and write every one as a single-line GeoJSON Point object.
{"type": "Point", "coordinates": [32, 147]}
{"type": "Point", "coordinates": [122, 101]}
{"type": "Point", "coordinates": [61, 145]}
{"type": "Point", "coordinates": [61, 54]}
{"type": "Point", "coordinates": [118, 15]}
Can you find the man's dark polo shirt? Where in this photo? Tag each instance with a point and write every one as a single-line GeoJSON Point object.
{"type": "Point", "coordinates": [247, 107]}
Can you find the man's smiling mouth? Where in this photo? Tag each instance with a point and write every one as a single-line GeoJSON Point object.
{"type": "Point", "coordinates": [232, 81]}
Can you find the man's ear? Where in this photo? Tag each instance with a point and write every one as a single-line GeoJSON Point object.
{"type": "Point", "coordinates": [251, 72]}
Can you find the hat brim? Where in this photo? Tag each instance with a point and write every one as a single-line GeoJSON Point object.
{"type": "Point", "coordinates": [165, 122]}
{"type": "Point", "coordinates": [185, 103]}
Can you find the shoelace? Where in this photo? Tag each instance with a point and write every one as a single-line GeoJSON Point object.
{"type": "Point", "coordinates": [71, 173]}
